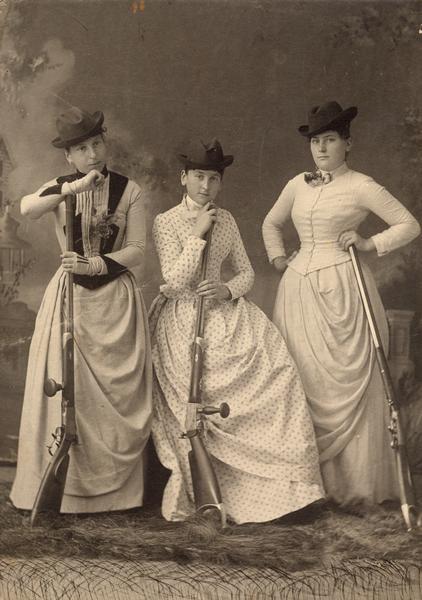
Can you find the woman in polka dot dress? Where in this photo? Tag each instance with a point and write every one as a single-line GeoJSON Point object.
{"type": "Point", "coordinates": [264, 454]}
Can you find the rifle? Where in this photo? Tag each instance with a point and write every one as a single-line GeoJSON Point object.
{"type": "Point", "coordinates": [50, 493]}
{"type": "Point", "coordinates": [409, 506]}
{"type": "Point", "coordinates": [206, 489]}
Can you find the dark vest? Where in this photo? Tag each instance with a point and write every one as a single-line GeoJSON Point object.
{"type": "Point", "coordinates": [118, 185]}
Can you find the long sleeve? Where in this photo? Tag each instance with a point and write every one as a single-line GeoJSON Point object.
{"type": "Point", "coordinates": [403, 227]}
{"type": "Point", "coordinates": [47, 198]}
{"type": "Point", "coordinates": [179, 263]}
{"type": "Point", "coordinates": [272, 226]}
{"type": "Point", "coordinates": [239, 261]}
{"type": "Point", "coordinates": [133, 249]}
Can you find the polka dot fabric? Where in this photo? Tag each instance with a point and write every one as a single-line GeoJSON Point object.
{"type": "Point", "coordinates": [264, 453]}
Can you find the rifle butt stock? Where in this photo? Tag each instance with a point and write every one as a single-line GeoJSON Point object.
{"type": "Point", "coordinates": [50, 493]}
{"type": "Point", "coordinates": [408, 502]}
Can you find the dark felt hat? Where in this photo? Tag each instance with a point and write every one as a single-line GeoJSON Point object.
{"type": "Point", "coordinates": [208, 156]}
{"type": "Point", "coordinates": [75, 125]}
{"type": "Point", "coordinates": [327, 116]}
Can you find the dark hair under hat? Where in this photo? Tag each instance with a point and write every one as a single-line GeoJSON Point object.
{"type": "Point", "coordinates": [75, 125]}
{"type": "Point", "coordinates": [327, 116]}
{"type": "Point", "coordinates": [209, 157]}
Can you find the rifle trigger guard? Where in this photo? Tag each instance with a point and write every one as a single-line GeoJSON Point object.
{"type": "Point", "coordinates": [190, 434]}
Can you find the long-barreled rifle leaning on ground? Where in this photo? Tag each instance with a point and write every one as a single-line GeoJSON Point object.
{"type": "Point", "coordinates": [50, 493]}
{"type": "Point", "coordinates": [206, 489]}
{"type": "Point", "coordinates": [410, 510]}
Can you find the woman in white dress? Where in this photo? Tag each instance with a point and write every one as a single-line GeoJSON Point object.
{"type": "Point", "coordinates": [113, 371]}
{"type": "Point", "coordinates": [319, 312]}
{"type": "Point", "coordinates": [264, 453]}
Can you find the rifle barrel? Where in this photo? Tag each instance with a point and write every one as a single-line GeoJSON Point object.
{"type": "Point", "coordinates": [206, 489]}
{"type": "Point", "coordinates": [50, 492]}
{"type": "Point", "coordinates": [69, 275]}
{"type": "Point", "coordinates": [200, 320]}
{"type": "Point", "coordinates": [410, 510]}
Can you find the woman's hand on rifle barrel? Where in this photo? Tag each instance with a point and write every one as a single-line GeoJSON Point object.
{"type": "Point", "coordinates": [347, 238]}
{"type": "Point", "coordinates": [213, 289]}
{"type": "Point", "coordinates": [75, 263]}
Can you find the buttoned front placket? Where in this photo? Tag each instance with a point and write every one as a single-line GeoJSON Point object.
{"type": "Point", "coordinates": [318, 194]}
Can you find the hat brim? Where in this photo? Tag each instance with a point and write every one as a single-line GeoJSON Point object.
{"type": "Point", "coordinates": [344, 117]}
{"type": "Point", "coordinates": [96, 129]}
{"type": "Point", "coordinates": [191, 164]}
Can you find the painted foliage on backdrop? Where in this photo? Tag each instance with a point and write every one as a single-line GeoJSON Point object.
{"type": "Point", "coordinates": [243, 71]}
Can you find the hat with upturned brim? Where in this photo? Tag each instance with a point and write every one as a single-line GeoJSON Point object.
{"type": "Point", "coordinates": [76, 125]}
{"type": "Point", "coordinates": [209, 157]}
{"type": "Point", "coordinates": [327, 116]}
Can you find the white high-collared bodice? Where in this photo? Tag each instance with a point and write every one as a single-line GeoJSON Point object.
{"type": "Point", "coordinates": [321, 213]}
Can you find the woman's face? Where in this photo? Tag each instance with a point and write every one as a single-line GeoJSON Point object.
{"type": "Point", "coordinates": [88, 155]}
{"type": "Point", "coordinates": [201, 186]}
{"type": "Point", "coordinates": [329, 150]}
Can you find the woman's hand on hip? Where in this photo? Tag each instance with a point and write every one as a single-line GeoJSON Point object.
{"type": "Point", "coordinates": [206, 217]}
{"type": "Point", "coordinates": [347, 238]}
{"type": "Point", "coordinates": [280, 263]}
{"type": "Point", "coordinates": [213, 289]}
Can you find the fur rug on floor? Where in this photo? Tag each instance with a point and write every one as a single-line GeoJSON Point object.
{"type": "Point", "coordinates": [309, 539]}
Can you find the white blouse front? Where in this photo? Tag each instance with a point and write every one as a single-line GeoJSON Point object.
{"type": "Point", "coordinates": [321, 213]}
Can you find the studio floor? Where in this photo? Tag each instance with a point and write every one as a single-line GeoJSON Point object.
{"type": "Point", "coordinates": [79, 574]}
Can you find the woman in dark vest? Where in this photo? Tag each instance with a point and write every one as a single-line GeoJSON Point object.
{"type": "Point", "coordinates": [112, 351]}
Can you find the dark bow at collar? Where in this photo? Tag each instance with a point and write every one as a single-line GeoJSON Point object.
{"type": "Point", "coordinates": [317, 177]}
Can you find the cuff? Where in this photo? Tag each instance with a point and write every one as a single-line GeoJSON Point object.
{"type": "Point", "coordinates": [380, 245]}
{"type": "Point", "coordinates": [231, 293]}
{"type": "Point", "coordinates": [67, 189]}
{"type": "Point", "coordinates": [98, 266]}
{"type": "Point", "coordinates": [234, 294]}
{"type": "Point", "coordinates": [196, 241]}
{"type": "Point", "coordinates": [278, 256]}
{"type": "Point", "coordinates": [273, 253]}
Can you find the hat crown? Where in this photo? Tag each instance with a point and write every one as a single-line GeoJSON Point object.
{"type": "Point", "coordinates": [319, 115]}
{"type": "Point", "coordinates": [214, 150]}
{"type": "Point", "coordinates": [72, 116]}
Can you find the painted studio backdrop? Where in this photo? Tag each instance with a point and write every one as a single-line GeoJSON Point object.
{"type": "Point", "coordinates": [245, 71]}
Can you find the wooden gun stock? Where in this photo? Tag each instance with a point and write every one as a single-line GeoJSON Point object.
{"type": "Point", "coordinates": [409, 507]}
{"type": "Point", "coordinates": [50, 493]}
{"type": "Point", "coordinates": [206, 489]}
